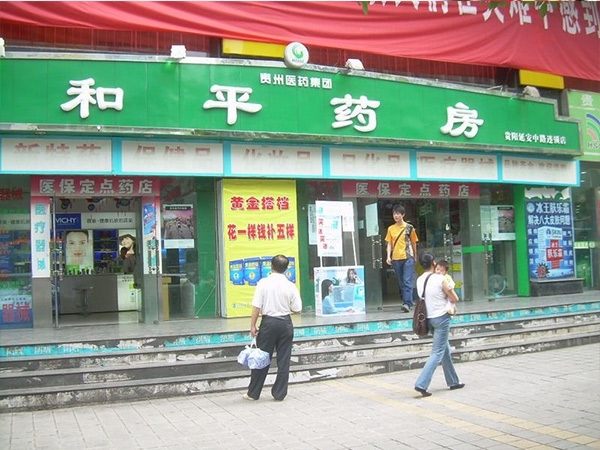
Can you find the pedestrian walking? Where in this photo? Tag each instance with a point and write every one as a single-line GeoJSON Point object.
{"type": "Point", "coordinates": [436, 297]}
{"type": "Point", "coordinates": [401, 252]}
{"type": "Point", "coordinates": [275, 299]}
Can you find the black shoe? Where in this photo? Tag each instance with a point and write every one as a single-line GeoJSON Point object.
{"type": "Point", "coordinates": [423, 392]}
{"type": "Point", "coordinates": [404, 308]}
{"type": "Point", "coordinates": [457, 386]}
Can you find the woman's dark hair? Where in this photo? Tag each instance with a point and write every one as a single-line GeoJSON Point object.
{"type": "Point", "coordinates": [325, 288]}
{"type": "Point", "coordinates": [349, 279]}
{"type": "Point", "coordinates": [127, 236]}
{"type": "Point", "coordinates": [426, 260]}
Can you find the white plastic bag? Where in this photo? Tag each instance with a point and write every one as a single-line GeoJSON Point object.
{"type": "Point", "coordinates": [254, 357]}
{"type": "Point", "coordinates": [243, 356]}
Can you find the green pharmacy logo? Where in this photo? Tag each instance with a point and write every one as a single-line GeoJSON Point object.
{"type": "Point", "coordinates": [295, 55]}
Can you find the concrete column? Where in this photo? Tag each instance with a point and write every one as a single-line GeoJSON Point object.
{"type": "Point", "coordinates": [41, 291]}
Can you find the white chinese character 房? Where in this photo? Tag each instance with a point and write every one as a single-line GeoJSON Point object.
{"type": "Point", "coordinates": [461, 120]}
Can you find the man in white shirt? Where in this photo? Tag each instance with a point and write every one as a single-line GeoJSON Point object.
{"type": "Point", "coordinates": [275, 299]}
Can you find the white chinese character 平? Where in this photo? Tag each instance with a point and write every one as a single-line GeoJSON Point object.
{"type": "Point", "coordinates": [360, 109]}
{"type": "Point", "coordinates": [466, 119]}
{"type": "Point", "coordinates": [232, 102]}
{"type": "Point", "coordinates": [85, 96]}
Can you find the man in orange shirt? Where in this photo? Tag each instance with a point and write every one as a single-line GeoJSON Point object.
{"type": "Point", "coordinates": [401, 249]}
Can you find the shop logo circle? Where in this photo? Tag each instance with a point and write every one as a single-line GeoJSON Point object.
{"type": "Point", "coordinates": [295, 55]}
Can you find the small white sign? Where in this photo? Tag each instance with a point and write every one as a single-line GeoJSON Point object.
{"type": "Point", "coordinates": [59, 155]}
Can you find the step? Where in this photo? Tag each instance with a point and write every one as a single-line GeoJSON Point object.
{"type": "Point", "coordinates": [241, 338]}
{"type": "Point", "coordinates": [215, 354]}
{"type": "Point", "coordinates": [312, 360]}
{"type": "Point", "coordinates": [62, 396]}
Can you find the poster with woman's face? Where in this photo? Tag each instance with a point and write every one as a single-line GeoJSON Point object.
{"type": "Point", "coordinates": [339, 290]}
{"type": "Point", "coordinates": [79, 251]}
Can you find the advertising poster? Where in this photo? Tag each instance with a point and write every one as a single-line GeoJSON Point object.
{"type": "Point", "coordinates": [79, 252]}
{"type": "Point", "coordinates": [339, 290]}
{"type": "Point", "coordinates": [498, 222]}
{"type": "Point", "coordinates": [150, 225]}
{"type": "Point", "coordinates": [550, 244]}
{"type": "Point", "coordinates": [332, 218]}
{"type": "Point", "coordinates": [259, 221]}
{"type": "Point", "coordinates": [15, 268]}
{"type": "Point", "coordinates": [41, 223]}
{"type": "Point", "coordinates": [179, 224]}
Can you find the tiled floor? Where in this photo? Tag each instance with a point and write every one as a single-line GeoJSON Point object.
{"type": "Point", "coordinates": [94, 326]}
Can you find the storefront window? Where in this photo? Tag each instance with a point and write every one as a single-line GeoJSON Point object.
{"type": "Point", "coordinates": [586, 205]}
{"type": "Point", "coordinates": [15, 253]}
{"type": "Point", "coordinates": [188, 248]}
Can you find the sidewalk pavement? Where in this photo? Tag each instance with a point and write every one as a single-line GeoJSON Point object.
{"type": "Point", "coordinates": [545, 400]}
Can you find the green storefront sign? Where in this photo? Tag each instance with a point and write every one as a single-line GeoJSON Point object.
{"type": "Point", "coordinates": [208, 98]}
{"type": "Point", "coordinates": [585, 106]}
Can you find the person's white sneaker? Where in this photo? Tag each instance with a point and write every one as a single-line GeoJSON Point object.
{"type": "Point", "coordinates": [247, 397]}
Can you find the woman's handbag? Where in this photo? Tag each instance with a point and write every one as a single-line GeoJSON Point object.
{"type": "Point", "coordinates": [253, 357]}
{"type": "Point", "coordinates": [420, 323]}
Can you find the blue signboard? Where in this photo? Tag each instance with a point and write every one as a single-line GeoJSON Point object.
{"type": "Point", "coordinates": [550, 247]}
{"type": "Point", "coordinates": [68, 221]}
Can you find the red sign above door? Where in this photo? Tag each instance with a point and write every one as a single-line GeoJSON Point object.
{"type": "Point", "coordinates": [409, 189]}
{"type": "Point", "coordinates": [94, 186]}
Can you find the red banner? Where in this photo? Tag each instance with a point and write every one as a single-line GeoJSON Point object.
{"type": "Point", "coordinates": [94, 186]}
{"type": "Point", "coordinates": [564, 42]}
{"type": "Point", "coordinates": [409, 189]}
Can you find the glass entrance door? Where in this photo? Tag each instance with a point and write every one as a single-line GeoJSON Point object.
{"type": "Point", "coordinates": [96, 260]}
{"type": "Point", "coordinates": [499, 274]}
{"type": "Point", "coordinates": [436, 223]}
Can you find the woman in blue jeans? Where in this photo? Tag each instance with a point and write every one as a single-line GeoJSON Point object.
{"type": "Point", "coordinates": [436, 296]}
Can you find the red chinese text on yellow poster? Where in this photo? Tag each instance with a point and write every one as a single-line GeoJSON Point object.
{"type": "Point", "coordinates": [259, 222]}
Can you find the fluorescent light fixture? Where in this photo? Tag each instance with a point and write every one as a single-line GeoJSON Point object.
{"type": "Point", "coordinates": [178, 51]}
{"type": "Point", "coordinates": [354, 64]}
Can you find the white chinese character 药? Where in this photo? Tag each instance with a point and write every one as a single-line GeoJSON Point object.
{"type": "Point", "coordinates": [361, 110]}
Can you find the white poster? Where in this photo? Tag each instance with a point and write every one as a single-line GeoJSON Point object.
{"type": "Point", "coordinates": [178, 226]}
{"type": "Point", "coordinates": [498, 222]}
{"type": "Point", "coordinates": [332, 218]}
{"type": "Point", "coordinates": [172, 157]}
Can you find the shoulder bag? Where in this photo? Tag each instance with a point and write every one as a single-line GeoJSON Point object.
{"type": "Point", "coordinates": [420, 323]}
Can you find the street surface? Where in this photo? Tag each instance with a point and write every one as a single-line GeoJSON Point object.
{"type": "Point", "coordinates": [546, 400]}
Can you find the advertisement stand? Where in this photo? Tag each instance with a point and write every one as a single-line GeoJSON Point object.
{"type": "Point", "coordinates": [338, 290]}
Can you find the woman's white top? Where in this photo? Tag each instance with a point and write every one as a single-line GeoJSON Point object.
{"type": "Point", "coordinates": [435, 297]}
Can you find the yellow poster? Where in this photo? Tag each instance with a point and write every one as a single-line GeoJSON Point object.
{"type": "Point", "coordinates": [259, 222]}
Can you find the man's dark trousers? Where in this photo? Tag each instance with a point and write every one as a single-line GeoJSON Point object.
{"type": "Point", "coordinates": [275, 334]}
